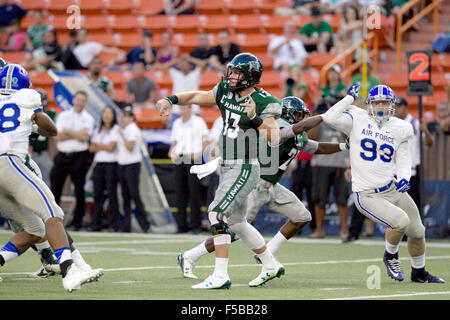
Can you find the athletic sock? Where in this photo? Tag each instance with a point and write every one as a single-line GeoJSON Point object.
{"type": "Point", "coordinates": [391, 249]}
{"type": "Point", "coordinates": [418, 264]}
{"type": "Point", "coordinates": [267, 259]}
{"type": "Point", "coordinates": [197, 252]}
{"type": "Point", "coordinates": [42, 246]}
{"type": "Point", "coordinates": [77, 258]}
{"type": "Point", "coordinates": [9, 252]}
{"type": "Point", "coordinates": [64, 259]}
{"type": "Point", "coordinates": [274, 244]}
{"type": "Point", "coordinates": [221, 267]}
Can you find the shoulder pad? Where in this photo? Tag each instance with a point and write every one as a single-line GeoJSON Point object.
{"type": "Point", "coordinates": [28, 98]}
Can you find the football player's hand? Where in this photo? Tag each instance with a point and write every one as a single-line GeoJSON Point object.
{"type": "Point", "coordinates": [402, 185]}
{"type": "Point", "coordinates": [164, 107]}
{"type": "Point", "coordinates": [353, 90]}
{"type": "Point", "coordinates": [250, 107]}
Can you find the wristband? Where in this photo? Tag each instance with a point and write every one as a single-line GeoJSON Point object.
{"type": "Point", "coordinates": [172, 99]}
{"type": "Point", "coordinates": [254, 116]}
{"type": "Point", "coordinates": [256, 122]}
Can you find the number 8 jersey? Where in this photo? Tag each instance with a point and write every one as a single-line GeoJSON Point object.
{"type": "Point", "coordinates": [239, 140]}
{"type": "Point", "coordinates": [16, 111]}
{"type": "Point", "coordinates": [375, 154]}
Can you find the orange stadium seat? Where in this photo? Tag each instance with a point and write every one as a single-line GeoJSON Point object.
{"type": "Point", "coordinates": [247, 23]}
{"type": "Point", "coordinates": [158, 24]}
{"type": "Point", "coordinates": [241, 7]}
{"type": "Point", "coordinates": [430, 102]}
{"type": "Point", "coordinates": [215, 23]}
{"type": "Point", "coordinates": [210, 114]}
{"type": "Point", "coordinates": [209, 79]}
{"type": "Point", "coordinates": [95, 23]}
{"type": "Point", "coordinates": [148, 118]}
{"type": "Point", "coordinates": [14, 56]}
{"type": "Point", "coordinates": [186, 41]}
{"type": "Point", "coordinates": [33, 5]}
{"type": "Point", "coordinates": [271, 80]}
{"type": "Point", "coordinates": [255, 43]}
{"type": "Point", "coordinates": [126, 41]}
{"type": "Point", "coordinates": [438, 79]}
{"type": "Point", "coordinates": [318, 60]}
{"type": "Point", "coordinates": [398, 80]}
{"type": "Point", "coordinates": [104, 38]}
{"type": "Point", "coordinates": [58, 21]}
{"type": "Point", "coordinates": [122, 7]}
{"type": "Point", "coordinates": [274, 23]}
{"type": "Point", "coordinates": [268, 6]}
{"type": "Point", "coordinates": [126, 23]}
{"type": "Point", "coordinates": [266, 60]}
{"type": "Point", "coordinates": [189, 23]}
{"type": "Point", "coordinates": [60, 6]}
{"type": "Point", "coordinates": [210, 7]}
{"type": "Point", "coordinates": [334, 20]}
{"type": "Point", "coordinates": [92, 7]}
{"type": "Point", "coordinates": [41, 79]}
{"type": "Point", "coordinates": [151, 7]}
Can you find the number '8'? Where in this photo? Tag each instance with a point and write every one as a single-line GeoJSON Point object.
{"type": "Point", "coordinates": [6, 120]}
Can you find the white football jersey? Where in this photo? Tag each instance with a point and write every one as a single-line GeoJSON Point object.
{"type": "Point", "coordinates": [373, 148]}
{"type": "Point", "coordinates": [16, 111]}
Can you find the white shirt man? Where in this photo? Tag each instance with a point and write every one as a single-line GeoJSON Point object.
{"type": "Point", "coordinates": [76, 121]}
{"type": "Point", "coordinates": [132, 133]}
{"type": "Point", "coordinates": [185, 82]}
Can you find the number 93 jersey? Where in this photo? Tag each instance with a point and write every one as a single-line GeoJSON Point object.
{"type": "Point", "coordinates": [373, 148]}
{"type": "Point", "coordinates": [239, 140]}
{"type": "Point", "coordinates": [16, 111]}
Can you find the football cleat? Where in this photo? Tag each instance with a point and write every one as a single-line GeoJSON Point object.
{"type": "Point", "coordinates": [49, 261]}
{"type": "Point", "coordinates": [425, 277]}
{"type": "Point", "coordinates": [267, 274]}
{"type": "Point", "coordinates": [42, 273]}
{"type": "Point", "coordinates": [393, 268]}
{"type": "Point", "coordinates": [76, 277]}
{"type": "Point", "coordinates": [187, 266]}
{"type": "Point", "coordinates": [214, 282]}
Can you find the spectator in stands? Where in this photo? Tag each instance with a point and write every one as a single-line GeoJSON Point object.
{"type": "Point", "coordinates": [328, 170]}
{"type": "Point", "coordinates": [317, 36]}
{"type": "Point", "coordinates": [176, 7]}
{"type": "Point", "coordinates": [350, 30]}
{"type": "Point", "coordinates": [74, 129]}
{"type": "Point", "coordinates": [287, 50]}
{"type": "Point", "coordinates": [9, 13]}
{"type": "Point", "coordinates": [302, 7]}
{"type": "Point", "coordinates": [334, 86]}
{"type": "Point", "coordinates": [86, 50]}
{"type": "Point", "coordinates": [295, 84]}
{"type": "Point", "coordinates": [442, 122]}
{"type": "Point", "coordinates": [43, 148]}
{"type": "Point", "coordinates": [203, 51]}
{"type": "Point", "coordinates": [144, 53]}
{"type": "Point", "coordinates": [129, 160]}
{"type": "Point", "coordinates": [189, 134]}
{"type": "Point", "coordinates": [46, 56]}
{"type": "Point", "coordinates": [186, 74]}
{"type": "Point", "coordinates": [102, 82]}
{"type": "Point", "coordinates": [13, 39]}
{"type": "Point", "coordinates": [224, 52]}
{"type": "Point", "coordinates": [141, 90]}
{"type": "Point", "coordinates": [371, 80]}
{"type": "Point", "coordinates": [68, 58]}
{"type": "Point", "coordinates": [401, 111]}
{"type": "Point", "coordinates": [105, 175]}
{"type": "Point", "coordinates": [36, 32]}
{"type": "Point", "coordinates": [167, 53]}
{"type": "Point", "coordinates": [334, 6]}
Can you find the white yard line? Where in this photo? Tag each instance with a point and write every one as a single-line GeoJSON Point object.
{"type": "Point", "coordinates": [394, 295]}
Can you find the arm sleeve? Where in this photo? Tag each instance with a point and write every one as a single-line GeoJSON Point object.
{"type": "Point", "coordinates": [271, 110]}
{"type": "Point", "coordinates": [311, 146]}
{"type": "Point", "coordinates": [338, 118]}
{"type": "Point", "coordinates": [403, 161]}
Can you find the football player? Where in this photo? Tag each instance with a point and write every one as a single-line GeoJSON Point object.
{"type": "Point", "coordinates": [381, 168]}
{"type": "Point", "coordinates": [269, 191]}
{"type": "Point", "coordinates": [20, 106]}
{"type": "Point", "coordinates": [248, 112]}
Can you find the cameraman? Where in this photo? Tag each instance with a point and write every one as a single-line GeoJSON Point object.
{"type": "Point", "coordinates": [295, 85]}
{"type": "Point", "coordinates": [329, 170]}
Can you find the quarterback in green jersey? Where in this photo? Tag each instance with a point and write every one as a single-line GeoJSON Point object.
{"type": "Point", "coordinates": [249, 113]}
{"type": "Point", "coordinates": [293, 123]}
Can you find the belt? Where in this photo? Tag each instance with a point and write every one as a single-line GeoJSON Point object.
{"type": "Point", "coordinates": [383, 188]}
{"type": "Point", "coordinates": [68, 154]}
{"type": "Point", "coordinates": [6, 154]}
{"type": "Point", "coordinates": [238, 161]}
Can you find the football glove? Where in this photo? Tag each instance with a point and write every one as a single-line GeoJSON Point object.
{"type": "Point", "coordinates": [402, 185]}
{"type": "Point", "coordinates": [353, 90]}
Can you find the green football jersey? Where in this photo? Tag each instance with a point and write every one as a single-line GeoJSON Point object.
{"type": "Point", "coordinates": [238, 139]}
{"type": "Point", "coordinates": [277, 159]}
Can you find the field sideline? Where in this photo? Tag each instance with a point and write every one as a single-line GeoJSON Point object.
{"type": "Point", "coordinates": [143, 267]}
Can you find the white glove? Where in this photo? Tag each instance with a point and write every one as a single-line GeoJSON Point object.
{"type": "Point", "coordinates": [206, 169]}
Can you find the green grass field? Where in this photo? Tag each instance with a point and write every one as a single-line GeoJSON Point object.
{"type": "Point", "coordinates": [143, 267]}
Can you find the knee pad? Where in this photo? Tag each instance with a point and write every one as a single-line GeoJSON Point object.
{"type": "Point", "coordinates": [416, 231]}
{"type": "Point", "coordinates": [402, 223]}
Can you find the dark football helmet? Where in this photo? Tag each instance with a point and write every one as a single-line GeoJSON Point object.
{"type": "Point", "coordinates": [250, 66]}
{"type": "Point", "coordinates": [44, 97]}
{"type": "Point", "coordinates": [293, 109]}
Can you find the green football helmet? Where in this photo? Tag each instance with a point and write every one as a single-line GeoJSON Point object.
{"type": "Point", "coordinates": [293, 109]}
{"type": "Point", "coordinates": [3, 63]}
{"type": "Point", "coordinates": [250, 66]}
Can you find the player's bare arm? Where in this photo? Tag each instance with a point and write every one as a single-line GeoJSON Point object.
{"type": "Point", "coordinates": [81, 135]}
{"type": "Point", "coordinates": [46, 126]}
{"type": "Point", "coordinates": [184, 98]}
{"type": "Point", "coordinates": [306, 124]}
{"type": "Point", "coordinates": [328, 148]}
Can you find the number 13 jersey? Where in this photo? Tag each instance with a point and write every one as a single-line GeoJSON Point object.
{"type": "Point", "coordinates": [16, 111]}
{"type": "Point", "coordinates": [373, 149]}
{"type": "Point", "coordinates": [239, 140]}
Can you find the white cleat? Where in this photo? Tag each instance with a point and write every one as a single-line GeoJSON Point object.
{"type": "Point", "coordinates": [267, 274]}
{"type": "Point", "coordinates": [75, 277]}
{"type": "Point", "coordinates": [187, 266]}
{"type": "Point", "coordinates": [214, 282]}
